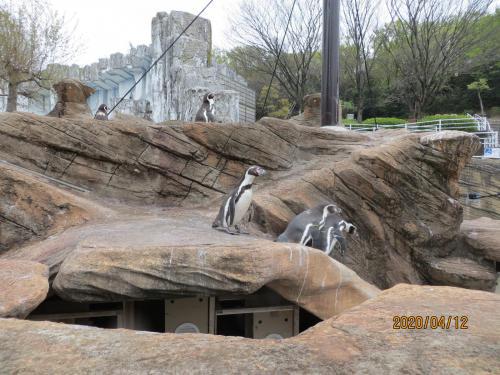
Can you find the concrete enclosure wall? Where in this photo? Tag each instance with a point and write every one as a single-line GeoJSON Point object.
{"type": "Point", "coordinates": [173, 89]}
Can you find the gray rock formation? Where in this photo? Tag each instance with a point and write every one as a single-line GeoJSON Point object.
{"type": "Point", "coordinates": [399, 189]}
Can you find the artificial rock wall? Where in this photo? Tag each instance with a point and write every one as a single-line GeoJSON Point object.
{"type": "Point", "coordinates": [173, 89]}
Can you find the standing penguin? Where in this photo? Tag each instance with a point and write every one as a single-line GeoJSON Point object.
{"type": "Point", "coordinates": [302, 227]}
{"type": "Point", "coordinates": [102, 113]}
{"type": "Point", "coordinates": [236, 205]}
{"type": "Point", "coordinates": [206, 113]}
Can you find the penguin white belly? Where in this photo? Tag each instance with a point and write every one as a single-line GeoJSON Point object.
{"type": "Point", "coordinates": [242, 206]}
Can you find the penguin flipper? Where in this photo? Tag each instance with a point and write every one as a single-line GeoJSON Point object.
{"type": "Point", "coordinates": [230, 210]}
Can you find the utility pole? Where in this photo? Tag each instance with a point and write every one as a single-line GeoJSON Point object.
{"type": "Point", "coordinates": [330, 65]}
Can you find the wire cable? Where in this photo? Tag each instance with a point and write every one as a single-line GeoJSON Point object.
{"type": "Point", "coordinates": [160, 57]}
{"type": "Point", "coordinates": [278, 57]}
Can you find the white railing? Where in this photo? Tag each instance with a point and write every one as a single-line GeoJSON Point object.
{"type": "Point", "coordinates": [476, 124]}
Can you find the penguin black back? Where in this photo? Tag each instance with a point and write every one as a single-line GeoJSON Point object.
{"type": "Point", "coordinates": [301, 226]}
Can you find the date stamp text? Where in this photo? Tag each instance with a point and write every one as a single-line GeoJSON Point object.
{"type": "Point", "coordinates": [429, 322]}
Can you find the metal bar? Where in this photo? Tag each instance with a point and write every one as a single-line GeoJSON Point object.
{"type": "Point", "coordinates": [86, 314]}
{"type": "Point", "coordinates": [212, 317]}
{"type": "Point", "coordinates": [296, 320]}
{"type": "Point", "coordinates": [329, 106]}
{"type": "Point", "coordinates": [129, 314]}
{"type": "Point", "coordinates": [251, 310]}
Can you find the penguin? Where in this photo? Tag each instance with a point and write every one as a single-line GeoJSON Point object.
{"type": "Point", "coordinates": [303, 226]}
{"type": "Point", "coordinates": [102, 113]}
{"type": "Point", "coordinates": [206, 113]}
{"type": "Point", "coordinates": [331, 234]}
{"type": "Point", "coordinates": [236, 204]}
{"type": "Point", "coordinates": [58, 110]}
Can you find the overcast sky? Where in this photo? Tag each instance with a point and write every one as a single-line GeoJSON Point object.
{"type": "Point", "coordinates": [108, 26]}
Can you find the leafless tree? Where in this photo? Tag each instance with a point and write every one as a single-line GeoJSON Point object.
{"type": "Point", "coordinates": [32, 36]}
{"type": "Point", "coordinates": [261, 26]}
{"type": "Point", "coordinates": [427, 41]}
{"type": "Point", "coordinates": [361, 46]}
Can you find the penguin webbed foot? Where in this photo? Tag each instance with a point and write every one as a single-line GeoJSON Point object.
{"type": "Point", "coordinates": [224, 229]}
{"type": "Point", "coordinates": [228, 230]}
{"type": "Point", "coordinates": [239, 230]}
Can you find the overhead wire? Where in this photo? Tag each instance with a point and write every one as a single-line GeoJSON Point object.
{"type": "Point", "coordinates": [160, 57]}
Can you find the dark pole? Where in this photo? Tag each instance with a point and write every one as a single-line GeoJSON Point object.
{"type": "Point", "coordinates": [330, 68]}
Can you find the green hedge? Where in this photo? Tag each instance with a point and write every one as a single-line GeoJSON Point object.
{"type": "Point", "coordinates": [443, 117]}
{"type": "Point", "coordinates": [347, 121]}
{"type": "Point", "coordinates": [468, 123]}
{"type": "Point", "coordinates": [384, 121]}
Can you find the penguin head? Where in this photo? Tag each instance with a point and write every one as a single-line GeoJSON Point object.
{"type": "Point", "coordinates": [345, 226]}
{"type": "Point", "coordinates": [331, 209]}
{"type": "Point", "coordinates": [103, 108]}
{"type": "Point", "coordinates": [209, 98]}
{"type": "Point", "coordinates": [255, 170]}
{"type": "Point", "coordinates": [351, 228]}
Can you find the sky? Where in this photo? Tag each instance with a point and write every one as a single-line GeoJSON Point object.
{"type": "Point", "coordinates": [108, 26]}
{"type": "Point", "coordinates": [104, 27]}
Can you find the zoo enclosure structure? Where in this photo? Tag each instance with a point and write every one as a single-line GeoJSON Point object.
{"type": "Point", "coordinates": [263, 314]}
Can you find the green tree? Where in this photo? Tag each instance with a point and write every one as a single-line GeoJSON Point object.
{"type": "Point", "coordinates": [276, 106]}
{"type": "Point", "coordinates": [480, 85]}
{"type": "Point", "coordinates": [32, 36]}
{"type": "Point", "coordinates": [428, 41]}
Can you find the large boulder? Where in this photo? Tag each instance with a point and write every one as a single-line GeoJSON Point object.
{"type": "Point", "coordinates": [360, 340]}
{"type": "Point", "coordinates": [181, 254]}
{"type": "Point", "coordinates": [32, 207]}
{"type": "Point", "coordinates": [400, 189]}
{"type": "Point", "coordinates": [483, 236]}
{"type": "Point", "coordinates": [402, 195]}
{"type": "Point", "coordinates": [23, 286]}
{"type": "Point", "coordinates": [72, 99]}
{"type": "Point", "coordinates": [311, 116]}
{"type": "Point", "coordinates": [462, 272]}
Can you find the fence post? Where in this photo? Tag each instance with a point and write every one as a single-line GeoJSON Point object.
{"type": "Point", "coordinates": [439, 125]}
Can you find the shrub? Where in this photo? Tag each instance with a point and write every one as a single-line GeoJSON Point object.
{"type": "Point", "coordinates": [453, 121]}
{"type": "Point", "coordinates": [347, 121]}
{"type": "Point", "coordinates": [384, 121]}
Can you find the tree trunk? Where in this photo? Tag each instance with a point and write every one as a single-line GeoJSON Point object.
{"type": "Point", "coordinates": [480, 102]}
{"type": "Point", "coordinates": [417, 110]}
{"type": "Point", "coordinates": [359, 113]}
{"type": "Point", "coordinates": [12, 98]}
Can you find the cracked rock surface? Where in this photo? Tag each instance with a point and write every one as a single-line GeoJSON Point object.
{"type": "Point", "coordinates": [360, 340]}
{"type": "Point", "coordinates": [23, 286]}
{"type": "Point", "coordinates": [137, 180]}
